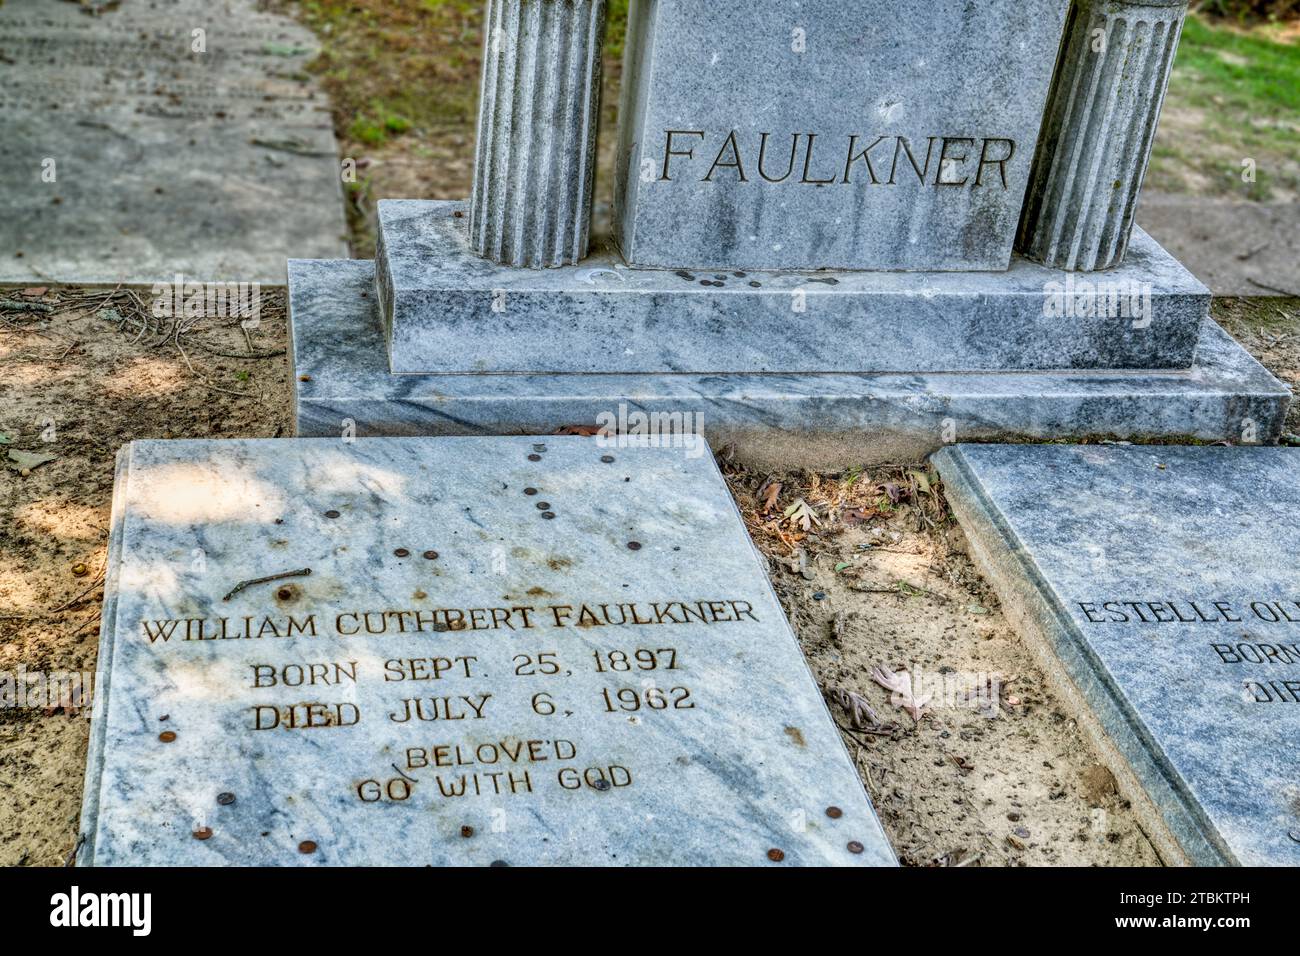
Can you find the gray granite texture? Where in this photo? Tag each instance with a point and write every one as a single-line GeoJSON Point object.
{"type": "Point", "coordinates": [539, 110]}
{"type": "Point", "coordinates": [342, 382]}
{"type": "Point", "coordinates": [1101, 121]}
{"type": "Point", "coordinates": [1167, 583]}
{"type": "Point", "coordinates": [439, 297]}
{"type": "Point", "coordinates": [881, 134]}
{"type": "Point", "coordinates": [533, 651]}
{"type": "Point", "coordinates": [217, 165]}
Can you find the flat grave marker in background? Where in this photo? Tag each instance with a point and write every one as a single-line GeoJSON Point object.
{"type": "Point", "coordinates": [129, 156]}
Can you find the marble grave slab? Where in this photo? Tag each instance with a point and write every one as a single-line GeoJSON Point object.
{"type": "Point", "coordinates": [1163, 583]}
{"type": "Point", "coordinates": [508, 650]}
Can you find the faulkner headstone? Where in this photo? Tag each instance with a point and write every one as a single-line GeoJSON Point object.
{"type": "Point", "coordinates": [1162, 585]}
{"type": "Point", "coordinates": [886, 134]}
{"type": "Point", "coordinates": [815, 212]}
{"type": "Point", "coordinates": [452, 651]}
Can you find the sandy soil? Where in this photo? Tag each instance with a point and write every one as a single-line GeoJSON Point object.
{"type": "Point", "coordinates": [995, 772]}
{"type": "Point", "coordinates": [880, 577]}
{"type": "Point", "coordinates": [80, 386]}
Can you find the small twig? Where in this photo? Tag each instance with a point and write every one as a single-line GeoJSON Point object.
{"type": "Point", "coordinates": [1151, 843]}
{"type": "Point", "coordinates": [12, 305]}
{"type": "Point", "coordinates": [1272, 288]}
{"type": "Point", "coordinates": [81, 839]}
{"type": "Point", "coordinates": [236, 355]}
{"type": "Point", "coordinates": [270, 577]}
{"type": "Point", "coordinates": [203, 378]}
{"type": "Point", "coordinates": [98, 582]}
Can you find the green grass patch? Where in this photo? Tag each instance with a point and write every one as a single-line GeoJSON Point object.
{"type": "Point", "coordinates": [397, 67]}
{"type": "Point", "coordinates": [1234, 96]}
{"type": "Point", "coordinates": [393, 68]}
{"type": "Point", "coordinates": [1248, 71]}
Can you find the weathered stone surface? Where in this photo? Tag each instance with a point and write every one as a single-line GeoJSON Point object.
{"type": "Point", "coordinates": [599, 316]}
{"type": "Point", "coordinates": [807, 420]}
{"type": "Point", "coordinates": [1163, 581]}
{"type": "Point", "coordinates": [744, 126]}
{"type": "Point", "coordinates": [472, 672]}
{"type": "Point", "coordinates": [217, 165]}
{"type": "Point", "coordinates": [1101, 121]}
{"type": "Point", "coordinates": [539, 111]}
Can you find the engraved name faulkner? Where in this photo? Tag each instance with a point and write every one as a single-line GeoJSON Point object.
{"type": "Point", "coordinates": [479, 766]}
{"type": "Point", "coordinates": [812, 159]}
{"type": "Point", "coordinates": [1243, 651]}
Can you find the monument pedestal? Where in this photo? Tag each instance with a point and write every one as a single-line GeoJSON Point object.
{"type": "Point", "coordinates": [602, 316]}
{"type": "Point", "coordinates": [820, 272]}
{"type": "Point", "coordinates": [878, 367]}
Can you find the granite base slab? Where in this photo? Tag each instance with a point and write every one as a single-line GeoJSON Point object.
{"type": "Point", "coordinates": [343, 384]}
{"type": "Point", "coordinates": [1161, 583]}
{"type": "Point", "coordinates": [385, 652]}
{"type": "Point", "coordinates": [437, 296]}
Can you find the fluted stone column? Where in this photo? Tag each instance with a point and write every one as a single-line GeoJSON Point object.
{"type": "Point", "coordinates": [537, 123]}
{"type": "Point", "coordinates": [1096, 142]}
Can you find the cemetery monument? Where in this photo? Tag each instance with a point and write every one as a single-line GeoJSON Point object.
{"type": "Point", "coordinates": [840, 235]}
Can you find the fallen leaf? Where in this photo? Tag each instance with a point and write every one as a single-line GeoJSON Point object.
{"type": "Point", "coordinates": [922, 481]}
{"type": "Point", "coordinates": [856, 706]}
{"type": "Point", "coordinates": [770, 491]}
{"type": "Point", "coordinates": [36, 291]}
{"type": "Point", "coordinates": [854, 516]}
{"type": "Point", "coordinates": [586, 431]}
{"type": "Point", "coordinates": [27, 460]}
{"type": "Point", "coordinates": [900, 687]}
{"type": "Point", "coordinates": [801, 515]}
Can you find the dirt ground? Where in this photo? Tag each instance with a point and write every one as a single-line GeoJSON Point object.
{"type": "Point", "coordinates": [78, 383]}
{"type": "Point", "coordinates": [995, 772]}
{"type": "Point", "coordinates": [879, 577]}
